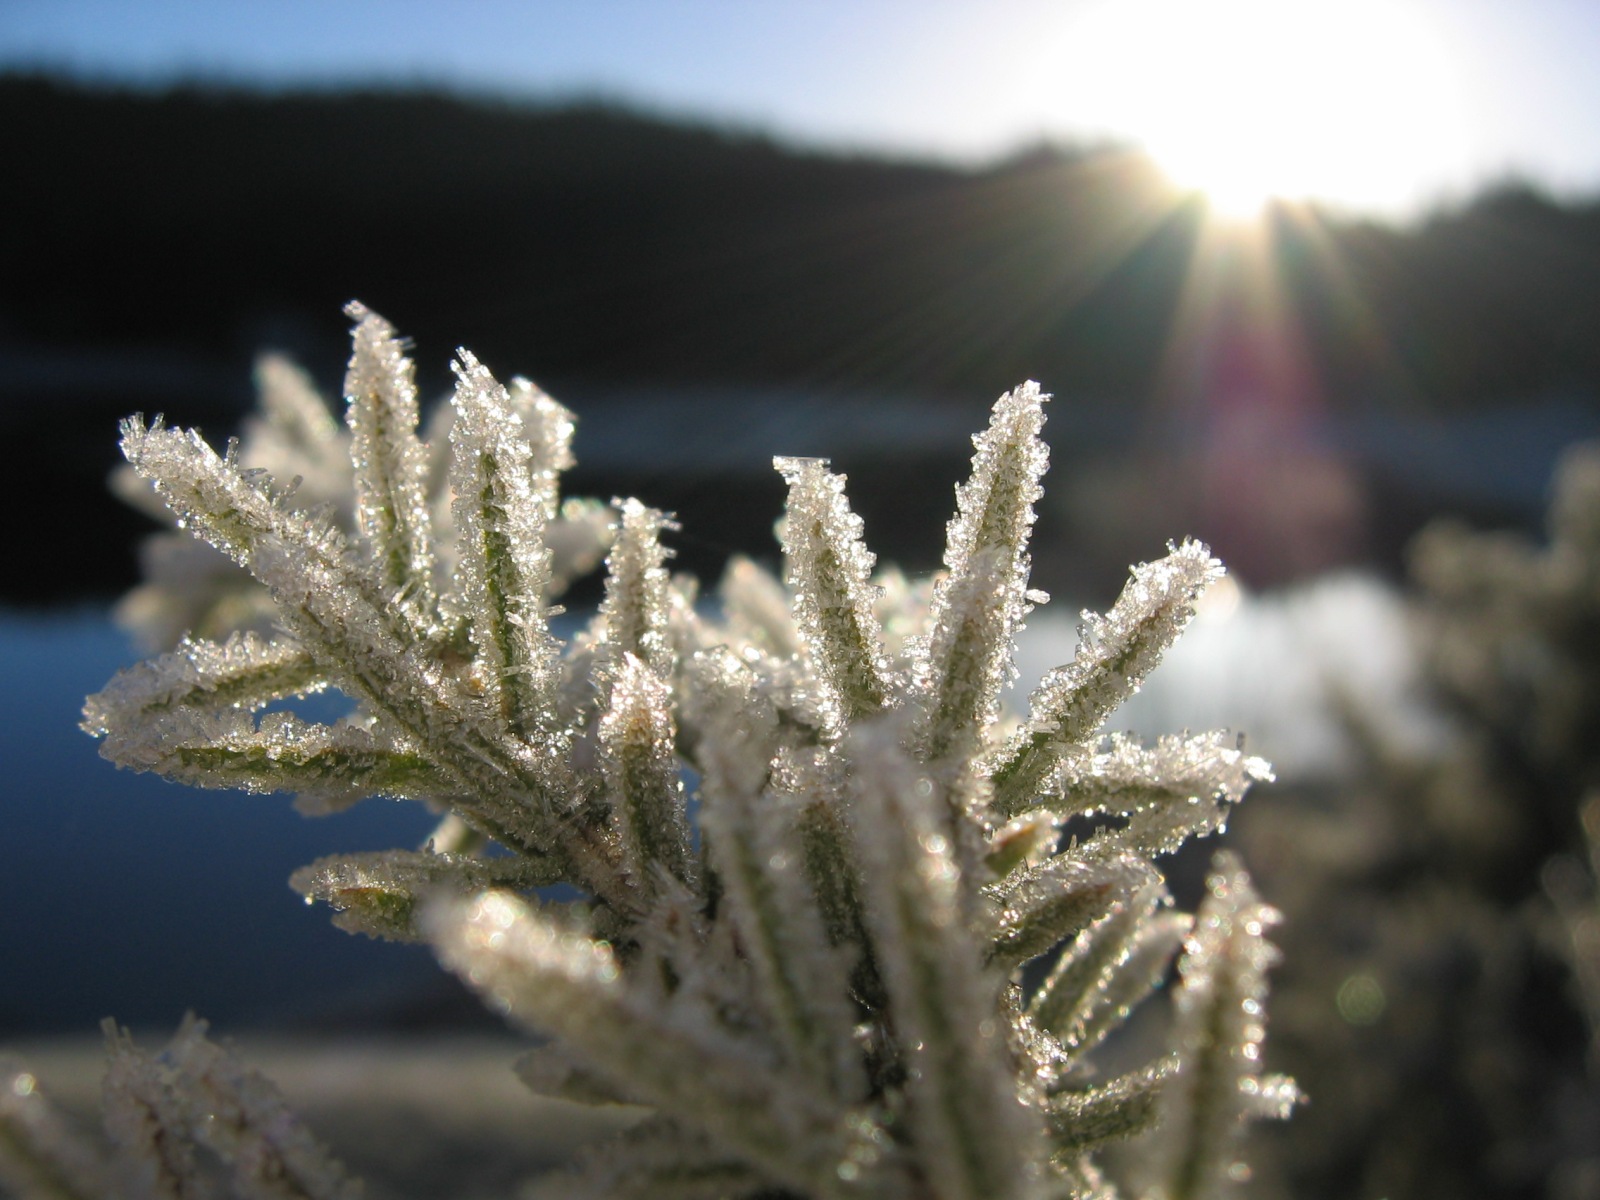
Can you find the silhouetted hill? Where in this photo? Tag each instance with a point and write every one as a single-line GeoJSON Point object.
{"type": "Point", "coordinates": [594, 242]}
{"type": "Point", "coordinates": [1494, 300]}
{"type": "Point", "coordinates": [579, 241]}
{"type": "Point", "coordinates": [152, 243]}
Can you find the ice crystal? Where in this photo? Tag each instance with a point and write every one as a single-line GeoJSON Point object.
{"type": "Point", "coordinates": [820, 994]}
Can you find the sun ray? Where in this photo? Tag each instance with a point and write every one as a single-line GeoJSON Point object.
{"type": "Point", "coordinates": [1116, 195]}
{"type": "Point", "coordinates": [1376, 365]}
{"type": "Point", "coordinates": [1238, 428]}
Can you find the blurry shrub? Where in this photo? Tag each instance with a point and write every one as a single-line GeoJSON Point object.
{"type": "Point", "coordinates": [1443, 977]}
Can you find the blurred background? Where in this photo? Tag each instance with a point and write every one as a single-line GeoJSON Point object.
{"type": "Point", "coordinates": [1301, 276]}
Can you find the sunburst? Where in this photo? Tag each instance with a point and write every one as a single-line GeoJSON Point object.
{"type": "Point", "coordinates": [1356, 104]}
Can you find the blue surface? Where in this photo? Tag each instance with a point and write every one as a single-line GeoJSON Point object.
{"type": "Point", "coordinates": [124, 895]}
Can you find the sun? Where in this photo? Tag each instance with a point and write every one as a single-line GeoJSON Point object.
{"type": "Point", "coordinates": [1355, 103]}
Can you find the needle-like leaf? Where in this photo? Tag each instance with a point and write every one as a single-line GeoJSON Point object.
{"type": "Point", "coordinates": [810, 866]}
{"type": "Point", "coordinates": [1116, 652]}
{"type": "Point", "coordinates": [390, 463]}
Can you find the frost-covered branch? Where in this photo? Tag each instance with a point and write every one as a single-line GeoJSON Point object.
{"type": "Point", "coordinates": [817, 987]}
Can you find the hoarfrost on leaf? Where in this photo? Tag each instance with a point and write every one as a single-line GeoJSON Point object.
{"type": "Point", "coordinates": [159, 1110]}
{"type": "Point", "coordinates": [1116, 651]}
{"type": "Point", "coordinates": [967, 655]}
{"type": "Point", "coordinates": [1219, 1030]}
{"type": "Point", "coordinates": [818, 992]}
{"type": "Point", "coordinates": [828, 570]}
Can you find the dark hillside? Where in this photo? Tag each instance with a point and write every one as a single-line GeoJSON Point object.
{"type": "Point", "coordinates": [151, 244]}
{"type": "Point", "coordinates": [598, 243]}
{"type": "Point", "coordinates": [585, 241]}
{"type": "Point", "coordinates": [1495, 300]}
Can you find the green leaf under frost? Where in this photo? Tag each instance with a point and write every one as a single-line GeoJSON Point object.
{"type": "Point", "coordinates": [1111, 966]}
{"type": "Point", "coordinates": [1183, 787]}
{"type": "Point", "coordinates": [379, 893]}
{"type": "Point", "coordinates": [390, 463]}
{"type": "Point", "coordinates": [636, 613]}
{"type": "Point", "coordinates": [965, 1119]}
{"type": "Point", "coordinates": [504, 568]}
{"type": "Point", "coordinates": [328, 766]}
{"type": "Point", "coordinates": [197, 1096]}
{"type": "Point", "coordinates": [966, 657]}
{"type": "Point", "coordinates": [1217, 1040]}
{"type": "Point", "coordinates": [635, 738]}
{"type": "Point", "coordinates": [829, 571]}
{"type": "Point", "coordinates": [1119, 1108]}
{"type": "Point", "coordinates": [1043, 906]}
{"type": "Point", "coordinates": [758, 853]}
{"type": "Point", "coordinates": [1116, 652]}
{"type": "Point", "coordinates": [561, 982]}
{"type": "Point", "coordinates": [246, 672]}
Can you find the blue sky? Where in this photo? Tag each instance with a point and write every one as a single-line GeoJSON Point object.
{"type": "Point", "coordinates": [1498, 88]}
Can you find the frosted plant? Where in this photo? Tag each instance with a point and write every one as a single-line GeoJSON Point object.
{"type": "Point", "coordinates": [190, 1122]}
{"type": "Point", "coordinates": [1577, 902]}
{"type": "Point", "coordinates": [1515, 648]}
{"type": "Point", "coordinates": [815, 986]}
{"type": "Point", "coordinates": [1445, 900]}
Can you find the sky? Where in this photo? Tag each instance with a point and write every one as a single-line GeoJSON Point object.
{"type": "Point", "coordinates": [1383, 106]}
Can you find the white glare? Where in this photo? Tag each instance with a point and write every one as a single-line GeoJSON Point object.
{"type": "Point", "coordinates": [1356, 104]}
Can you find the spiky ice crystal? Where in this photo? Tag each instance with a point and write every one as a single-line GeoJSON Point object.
{"type": "Point", "coordinates": [821, 995]}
